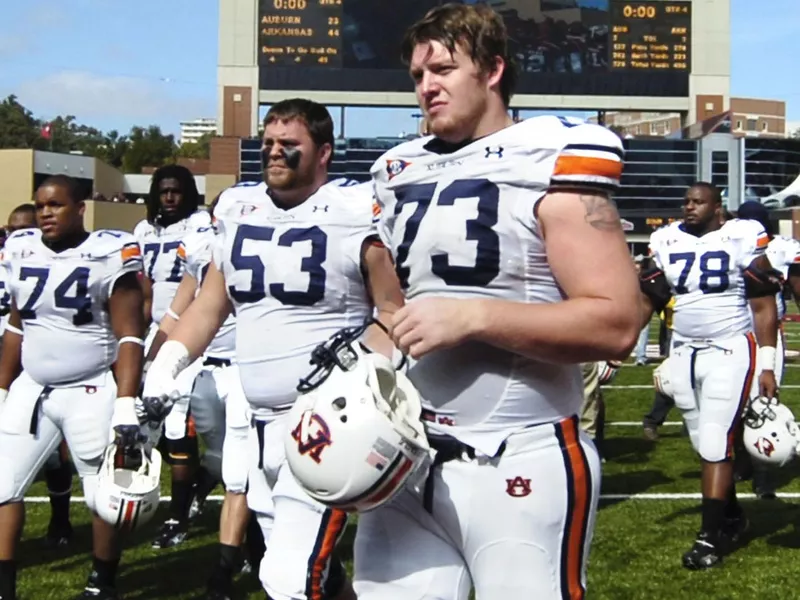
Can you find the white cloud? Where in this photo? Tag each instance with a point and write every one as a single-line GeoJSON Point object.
{"type": "Point", "coordinates": [90, 96]}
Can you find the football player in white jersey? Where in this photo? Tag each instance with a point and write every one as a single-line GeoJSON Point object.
{"type": "Point", "coordinates": [173, 212]}
{"type": "Point", "coordinates": [297, 260]}
{"type": "Point", "coordinates": [516, 270]}
{"type": "Point", "coordinates": [78, 299]}
{"type": "Point", "coordinates": [718, 272]}
{"type": "Point", "coordinates": [58, 469]}
{"type": "Point", "coordinates": [220, 411]}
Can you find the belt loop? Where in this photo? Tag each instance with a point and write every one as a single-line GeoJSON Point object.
{"type": "Point", "coordinates": [34, 428]}
{"type": "Point", "coordinates": [260, 426]}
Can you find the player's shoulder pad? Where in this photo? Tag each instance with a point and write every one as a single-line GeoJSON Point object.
{"type": "Point", "coordinates": [354, 201]}
{"type": "Point", "coordinates": [142, 227]}
{"type": "Point", "coordinates": [109, 243]}
{"type": "Point", "coordinates": [198, 220]}
{"type": "Point", "coordinates": [396, 160]}
{"type": "Point", "coordinates": [747, 230]}
{"type": "Point", "coordinates": [664, 232]}
{"type": "Point", "coordinates": [197, 241]}
{"type": "Point", "coordinates": [240, 200]}
{"type": "Point", "coordinates": [22, 242]}
{"type": "Point", "coordinates": [588, 154]}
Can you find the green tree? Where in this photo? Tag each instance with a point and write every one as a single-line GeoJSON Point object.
{"type": "Point", "coordinates": [18, 127]}
{"type": "Point", "coordinates": [199, 149]}
{"type": "Point", "coordinates": [148, 147]}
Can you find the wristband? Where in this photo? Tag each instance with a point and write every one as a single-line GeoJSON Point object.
{"type": "Point", "coordinates": [172, 314]}
{"type": "Point", "coordinates": [173, 357]}
{"type": "Point", "coordinates": [766, 358]}
{"type": "Point", "coordinates": [132, 340]}
{"type": "Point", "coordinates": [13, 329]}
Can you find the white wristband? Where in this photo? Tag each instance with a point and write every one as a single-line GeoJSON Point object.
{"type": "Point", "coordinates": [766, 358]}
{"type": "Point", "coordinates": [132, 340]}
{"type": "Point", "coordinates": [13, 329]}
{"type": "Point", "coordinates": [173, 314]}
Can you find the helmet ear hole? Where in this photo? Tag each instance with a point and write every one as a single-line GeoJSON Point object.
{"type": "Point", "coordinates": [340, 403]}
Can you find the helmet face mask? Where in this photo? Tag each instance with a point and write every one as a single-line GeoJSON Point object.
{"type": "Point", "coordinates": [770, 432]}
{"type": "Point", "coordinates": [354, 436]}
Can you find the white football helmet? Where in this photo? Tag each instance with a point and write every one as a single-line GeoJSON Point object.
{"type": "Point", "coordinates": [354, 436]}
{"type": "Point", "coordinates": [770, 432]}
{"type": "Point", "coordinates": [607, 370]}
{"type": "Point", "coordinates": [662, 379]}
{"type": "Point", "coordinates": [128, 498]}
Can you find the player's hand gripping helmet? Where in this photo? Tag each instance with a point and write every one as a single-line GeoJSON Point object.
{"type": "Point", "coordinates": [662, 379]}
{"type": "Point", "coordinates": [354, 435]}
{"type": "Point", "coordinates": [128, 486]}
{"type": "Point", "coordinates": [770, 432]}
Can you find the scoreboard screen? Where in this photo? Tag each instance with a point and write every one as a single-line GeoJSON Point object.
{"type": "Point", "coordinates": [561, 47]}
{"type": "Point", "coordinates": [650, 35]}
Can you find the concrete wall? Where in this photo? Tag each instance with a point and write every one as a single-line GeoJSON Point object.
{"type": "Point", "coordinates": [107, 180]}
{"type": "Point", "coordinates": [216, 184]}
{"type": "Point", "coordinates": [112, 215]}
{"type": "Point", "coordinates": [16, 180]}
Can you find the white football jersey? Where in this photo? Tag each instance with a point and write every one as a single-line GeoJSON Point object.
{"type": "Point", "coordinates": [62, 300]}
{"type": "Point", "coordinates": [783, 252]}
{"type": "Point", "coordinates": [462, 225]}
{"type": "Point", "coordinates": [196, 251]}
{"type": "Point", "coordinates": [294, 278]}
{"type": "Point", "coordinates": [705, 274]}
{"type": "Point", "coordinates": [163, 266]}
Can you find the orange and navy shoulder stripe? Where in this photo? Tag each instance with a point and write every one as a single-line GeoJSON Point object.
{"type": "Point", "coordinates": [579, 507]}
{"type": "Point", "coordinates": [762, 242]}
{"type": "Point", "coordinates": [589, 165]}
{"type": "Point", "coordinates": [131, 253]}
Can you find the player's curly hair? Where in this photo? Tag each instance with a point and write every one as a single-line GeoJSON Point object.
{"type": "Point", "coordinates": [477, 29]}
{"type": "Point", "coordinates": [191, 197]}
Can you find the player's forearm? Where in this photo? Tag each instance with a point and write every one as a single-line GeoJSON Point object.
{"type": "Point", "coordinates": [573, 331]}
{"type": "Point", "coordinates": [765, 321]}
{"type": "Point", "coordinates": [10, 359]}
{"type": "Point", "coordinates": [129, 369]}
{"type": "Point", "coordinates": [198, 325]}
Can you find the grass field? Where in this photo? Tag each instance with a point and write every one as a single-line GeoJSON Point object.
{"type": "Point", "coordinates": [647, 520]}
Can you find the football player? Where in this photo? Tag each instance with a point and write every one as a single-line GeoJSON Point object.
{"type": "Point", "coordinates": [58, 469]}
{"type": "Point", "coordinates": [220, 410]}
{"type": "Point", "coordinates": [173, 212]}
{"type": "Point", "coordinates": [297, 259]}
{"type": "Point", "coordinates": [784, 256]}
{"type": "Point", "coordinates": [516, 270]}
{"type": "Point", "coordinates": [78, 299]}
{"type": "Point", "coordinates": [718, 272]}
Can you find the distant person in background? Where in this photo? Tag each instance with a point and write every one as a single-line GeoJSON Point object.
{"type": "Point", "coordinates": [640, 352]}
{"type": "Point", "coordinates": [662, 403]}
{"type": "Point", "coordinates": [57, 469]}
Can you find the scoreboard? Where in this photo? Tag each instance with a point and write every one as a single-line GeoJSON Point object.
{"type": "Point", "coordinates": [593, 47]}
{"type": "Point", "coordinates": [300, 32]}
{"type": "Point", "coordinates": [650, 35]}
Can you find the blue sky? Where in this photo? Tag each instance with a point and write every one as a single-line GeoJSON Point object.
{"type": "Point", "coordinates": [118, 64]}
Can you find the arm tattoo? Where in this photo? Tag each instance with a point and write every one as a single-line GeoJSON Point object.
{"type": "Point", "coordinates": [601, 213]}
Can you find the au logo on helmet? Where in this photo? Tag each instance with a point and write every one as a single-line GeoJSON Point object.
{"type": "Point", "coordinates": [765, 447]}
{"type": "Point", "coordinates": [312, 435]}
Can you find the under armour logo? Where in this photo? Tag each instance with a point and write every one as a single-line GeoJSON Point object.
{"type": "Point", "coordinates": [322, 208]}
{"type": "Point", "coordinates": [518, 487]}
{"type": "Point", "coordinates": [496, 150]}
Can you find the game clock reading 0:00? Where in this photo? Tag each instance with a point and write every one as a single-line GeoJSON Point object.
{"type": "Point", "coordinates": [290, 4]}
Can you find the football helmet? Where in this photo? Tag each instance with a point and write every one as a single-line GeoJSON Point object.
{"type": "Point", "coordinates": [607, 370]}
{"type": "Point", "coordinates": [354, 436]}
{"type": "Point", "coordinates": [128, 486]}
{"type": "Point", "coordinates": [662, 379]}
{"type": "Point", "coordinates": [770, 432]}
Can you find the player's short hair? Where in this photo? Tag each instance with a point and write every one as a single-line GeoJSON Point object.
{"type": "Point", "coordinates": [716, 195]}
{"type": "Point", "coordinates": [478, 29]}
{"type": "Point", "coordinates": [69, 184]}
{"type": "Point", "coordinates": [191, 197]}
{"type": "Point", "coordinates": [312, 114]}
{"type": "Point", "coordinates": [28, 209]}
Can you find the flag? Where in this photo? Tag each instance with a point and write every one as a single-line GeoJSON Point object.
{"type": "Point", "coordinates": [47, 131]}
